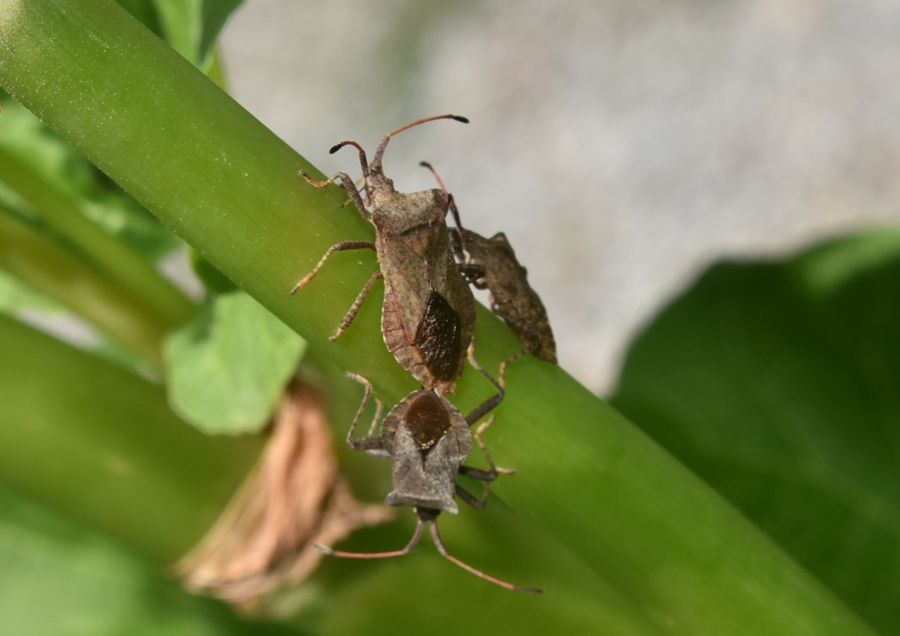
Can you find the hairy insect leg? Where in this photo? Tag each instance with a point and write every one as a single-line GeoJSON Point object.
{"type": "Point", "coordinates": [357, 184]}
{"type": "Point", "coordinates": [491, 403]}
{"type": "Point", "coordinates": [346, 183]}
{"type": "Point", "coordinates": [369, 442]}
{"type": "Point", "coordinates": [494, 471]}
{"type": "Point", "coordinates": [354, 308]}
{"type": "Point", "coordinates": [337, 247]}
{"type": "Point", "coordinates": [435, 535]}
{"type": "Point", "coordinates": [506, 363]}
{"type": "Point", "coordinates": [487, 476]}
{"type": "Point", "coordinates": [420, 528]}
{"type": "Point", "coordinates": [471, 499]}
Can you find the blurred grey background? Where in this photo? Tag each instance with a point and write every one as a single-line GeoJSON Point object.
{"type": "Point", "coordinates": [623, 146]}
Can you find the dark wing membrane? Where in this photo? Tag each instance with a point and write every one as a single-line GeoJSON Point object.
{"type": "Point", "coordinates": [438, 338]}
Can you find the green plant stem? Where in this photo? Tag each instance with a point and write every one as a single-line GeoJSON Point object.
{"type": "Point", "coordinates": [162, 301]}
{"type": "Point", "coordinates": [100, 444]}
{"type": "Point", "coordinates": [634, 516]}
{"type": "Point", "coordinates": [49, 268]}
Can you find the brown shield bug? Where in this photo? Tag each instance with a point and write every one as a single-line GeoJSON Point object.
{"type": "Point", "coordinates": [427, 440]}
{"type": "Point", "coordinates": [491, 263]}
{"type": "Point", "coordinates": [429, 311]}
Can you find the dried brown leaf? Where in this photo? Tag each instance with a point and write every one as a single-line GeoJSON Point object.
{"type": "Point", "coordinates": [293, 498]}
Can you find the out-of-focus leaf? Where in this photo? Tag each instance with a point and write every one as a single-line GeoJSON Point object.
{"type": "Point", "coordinates": [15, 296]}
{"type": "Point", "coordinates": [779, 383]}
{"type": "Point", "coordinates": [42, 263]}
{"type": "Point", "coordinates": [209, 274]}
{"type": "Point", "coordinates": [145, 12]}
{"type": "Point", "coordinates": [192, 26]}
{"type": "Point", "coordinates": [59, 579]}
{"type": "Point", "coordinates": [228, 366]}
{"type": "Point", "coordinates": [101, 445]}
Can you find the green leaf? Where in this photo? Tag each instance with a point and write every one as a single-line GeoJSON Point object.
{"type": "Point", "coordinates": [44, 265]}
{"type": "Point", "coordinates": [192, 26]}
{"type": "Point", "coordinates": [228, 366]}
{"type": "Point", "coordinates": [15, 296]}
{"type": "Point", "coordinates": [213, 280]}
{"type": "Point", "coordinates": [145, 12]}
{"type": "Point", "coordinates": [779, 384]}
{"type": "Point", "coordinates": [61, 579]}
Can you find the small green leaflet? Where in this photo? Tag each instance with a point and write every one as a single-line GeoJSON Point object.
{"type": "Point", "coordinates": [227, 367]}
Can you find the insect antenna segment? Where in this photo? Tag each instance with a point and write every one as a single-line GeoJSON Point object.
{"type": "Point", "coordinates": [429, 518]}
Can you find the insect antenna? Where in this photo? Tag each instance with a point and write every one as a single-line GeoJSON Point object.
{"type": "Point", "coordinates": [420, 528]}
{"type": "Point", "coordinates": [379, 153]}
{"type": "Point", "coordinates": [362, 154]}
{"type": "Point", "coordinates": [435, 173]}
{"type": "Point", "coordinates": [453, 208]}
{"type": "Point", "coordinates": [435, 535]}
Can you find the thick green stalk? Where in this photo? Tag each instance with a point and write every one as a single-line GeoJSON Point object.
{"type": "Point", "coordinates": [162, 301]}
{"type": "Point", "coordinates": [52, 270]}
{"type": "Point", "coordinates": [628, 511]}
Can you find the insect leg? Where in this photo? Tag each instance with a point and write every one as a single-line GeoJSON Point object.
{"type": "Point", "coordinates": [435, 535]}
{"type": "Point", "coordinates": [468, 497]}
{"type": "Point", "coordinates": [347, 184]}
{"type": "Point", "coordinates": [488, 405]}
{"type": "Point", "coordinates": [369, 442]}
{"type": "Point", "coordinates": [378, 555]}
{"type": "Point", "coordinates": [472, 272]}
{"type": "Point", "coordinates": [494, 470]}
{"type": "Point", "coordinates": [359, 182]}
{"type": "Point", "coordinates": [337, 247]}
{"type": "Point", "coordinates": [354, 308]}
{"type": "Point", "coordinates": [487, 476]}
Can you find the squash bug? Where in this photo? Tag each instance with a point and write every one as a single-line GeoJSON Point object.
{"type": "Point", "coordinates": [427, 440]}
{"type": "Point", "coordinates": [491, 263]}
{"type": "Point", "coordinates": [429, 312]}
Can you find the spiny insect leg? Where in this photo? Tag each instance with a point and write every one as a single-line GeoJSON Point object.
{"type": "Point", "coordinates": [369, 442]}
{"type": "Point", "coordinates": [491, 402]}
{"type": "Point", "coordinates": [354, 308]}
{"type": "Point", "coordinates": [337, 247]}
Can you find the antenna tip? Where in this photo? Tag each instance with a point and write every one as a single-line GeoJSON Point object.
{"type": "Point", "coordinates": [336, 147]}
{"type": "Point", "coordinates": [425, 164]}
{"type": "Point", "coordinates": [459, 118]}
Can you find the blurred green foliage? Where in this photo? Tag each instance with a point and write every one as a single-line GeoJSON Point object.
{"type": "Point", "coordinates": [773, 382]}
{"type": "Point", "coordinates": [779, 384]}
